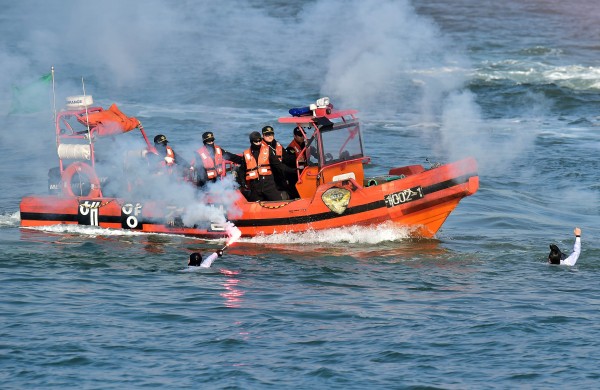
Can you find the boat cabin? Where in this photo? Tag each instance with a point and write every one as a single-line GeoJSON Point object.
{"type": "Point", "coordinates": [333, 150]}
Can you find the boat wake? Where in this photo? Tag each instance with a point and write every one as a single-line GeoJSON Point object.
{"type": "Point", "coordinates": [86, 230]}
{"type": "Point", "coordinates": [375, 234]}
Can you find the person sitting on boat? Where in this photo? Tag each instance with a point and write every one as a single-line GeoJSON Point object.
{"type": "Point", "coordinates": [289, 159]}
{"type": "Point", "coordinates": [211, 164]}
{"type": "Point", "coordinates": [168, 158]}
{"type": "Point", "coordinates": [257, 170]}
{"type": "Point", "coordinates": [557, 257]}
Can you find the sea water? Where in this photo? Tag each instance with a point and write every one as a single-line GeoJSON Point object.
{"type": "Point", "coordinates": [514, 84]}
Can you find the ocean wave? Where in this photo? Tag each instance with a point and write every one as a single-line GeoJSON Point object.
{"type": "Point", "coordinates": [576, 77]}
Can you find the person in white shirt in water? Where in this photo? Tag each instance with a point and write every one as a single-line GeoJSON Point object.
{"type": "Point", "coordinates": [196, 258]}
{"type": "Point", "coordinates": [557, 257]}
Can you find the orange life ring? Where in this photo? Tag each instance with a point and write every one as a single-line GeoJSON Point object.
{"type": "Point", "coordinates": [85, 169]}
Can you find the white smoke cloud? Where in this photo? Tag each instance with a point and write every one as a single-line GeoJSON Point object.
{"type": "Point", "coordinates": [212, 203]}
{"type": "Point", "coordinates": [377, 56]}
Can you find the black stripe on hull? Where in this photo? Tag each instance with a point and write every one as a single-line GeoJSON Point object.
{"type": "Point", "coordinates": [349, 211]}
{"type": "Point", "coordinates": [65, 217]}
{"type": "Point", "coordinates": [27, 216]}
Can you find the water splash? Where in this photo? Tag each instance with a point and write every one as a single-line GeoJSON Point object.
{"type": "Point", "coordinates": [9, 219]}
{"type": "Point", "coordinates": [374, 234]}
{"type": "Point", "coordinates": [86, 230]}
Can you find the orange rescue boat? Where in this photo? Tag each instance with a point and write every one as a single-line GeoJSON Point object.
{"type": "Point", "coordinates": [334, 191]}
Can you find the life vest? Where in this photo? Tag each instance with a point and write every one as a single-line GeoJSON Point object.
{"type": "Point", "coordinates": [169, 159]}
{"type": "Point", "coordinates": [167, 162]}
{"type": "Point", "coordinates": [255, 169]}
{"type": "Point", "coordinates": [214, 167]}
{"type": "Point", "coordinates": [278, 149]}
{"type": "Point", "coordinates": [301, 159]}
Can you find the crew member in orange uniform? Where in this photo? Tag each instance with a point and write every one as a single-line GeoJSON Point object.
{"type": "Point", "coordinates": [211, 165]}
{"type": "Point", "coordinates": [168, 158]}
{"type": "Point", "coordinates": [295, 148]}
{"type": "Point", "coordinates": [257, 170]}
{"type": "Point", "coordinates": [289, 159]}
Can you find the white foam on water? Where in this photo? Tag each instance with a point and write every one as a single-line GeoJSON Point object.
{"type": "Point", "coordinates": [191, 269]}
{"type": "Point", "coordinates": [92, 231]}
{"type": "Point", "coordinates": [576, 77]}
{"type": "Point", "coordinates": [10, 219]}
{"type": "Point", "coordinates": [374, 234]}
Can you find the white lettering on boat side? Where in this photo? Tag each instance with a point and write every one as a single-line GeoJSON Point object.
{"type": "Point", "coordinates": [132, 212]}
{"type": "Point", "coordinates": [404, 196]}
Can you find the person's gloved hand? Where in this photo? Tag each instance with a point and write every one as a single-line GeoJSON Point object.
{"type": "Point", "coordinates": [220, 252]}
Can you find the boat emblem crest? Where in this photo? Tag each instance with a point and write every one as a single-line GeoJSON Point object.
{"type": "Point", "coordinates": [336, 199]}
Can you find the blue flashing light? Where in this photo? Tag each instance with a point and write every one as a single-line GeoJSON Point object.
{"type": "Point", "coordinates": [300, 111]}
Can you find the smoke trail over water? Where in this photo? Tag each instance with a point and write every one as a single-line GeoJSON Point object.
{"type": "Point", "coordinates": [378, 56]}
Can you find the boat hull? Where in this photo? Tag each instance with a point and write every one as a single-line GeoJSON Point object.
{"type": "Point", "coordinates": [422, 200]}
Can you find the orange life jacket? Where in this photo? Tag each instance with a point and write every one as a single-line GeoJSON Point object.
{"type": "Point", "coordinates": [167, 162]}
{"type": "Point", "coordinates": [214, 167]}
{"type": "Point", "coordinates": [255, 169]}
{"type": "Point", "coordinates": [301, 157]}
{"type": "Point", "coordinates": [278, 149]}
{"type": "Point", "coordinates": [169, 159]}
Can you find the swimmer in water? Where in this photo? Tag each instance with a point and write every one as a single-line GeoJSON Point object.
{"type": "Point", "coordinates": [557, 257]}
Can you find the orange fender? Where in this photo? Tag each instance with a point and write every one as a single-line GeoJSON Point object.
{"type": "Point", "coordinates": [85, 169]}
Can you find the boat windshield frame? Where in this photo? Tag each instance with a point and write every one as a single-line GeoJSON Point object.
{"type": "Point", "coordinates": [332, 145]}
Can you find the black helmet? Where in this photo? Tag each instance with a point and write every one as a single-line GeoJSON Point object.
{"type": "Point", "coordinates": [208, 137]}
{"type": "Point", "coordinates": [255, 136]}
{"type": "Point", "coordinates": [268, 130]}
{"type": "Point", "coordinates": [160, 139]}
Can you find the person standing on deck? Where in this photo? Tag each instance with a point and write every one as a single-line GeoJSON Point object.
{"type": "Point", "coordinates": [211, 165]}
{"type": "Point", "coordinates": [296, 148]}
{"type": "Point", "coordinates": [288, 159]}
{"type": "Point", "coordinates": [256, 171]}
{"type": "Point", "coordinates": [168, 159]}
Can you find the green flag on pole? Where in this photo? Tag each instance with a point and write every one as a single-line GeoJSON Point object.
{"type": "Point", "coordinates": [34, 97]}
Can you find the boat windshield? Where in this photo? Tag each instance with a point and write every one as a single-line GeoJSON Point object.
{"type": "Point", "coordinates": [341, 142]}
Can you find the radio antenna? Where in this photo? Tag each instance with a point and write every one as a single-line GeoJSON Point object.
{"type": "Point", "coordinates": [53, 93]}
